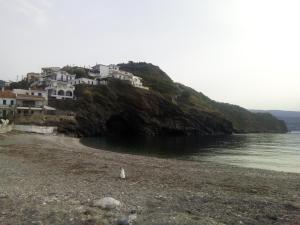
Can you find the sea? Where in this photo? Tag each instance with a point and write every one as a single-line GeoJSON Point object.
{"type": "Point", "coordinates": [279, 152]}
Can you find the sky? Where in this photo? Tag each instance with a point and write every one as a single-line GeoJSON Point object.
{"type": "Point", "coordinates": [237, 51]}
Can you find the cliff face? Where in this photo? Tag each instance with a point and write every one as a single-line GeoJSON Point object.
{"type": "Point", "coordinates": [168, 108]}
{"type": "Point", "coordinates": [124, 110]}
{"type": "Point", "coordinates": [243, 121]}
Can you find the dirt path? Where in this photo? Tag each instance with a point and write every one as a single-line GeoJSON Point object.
{"type": "Point", "coordinates": [54, 180]}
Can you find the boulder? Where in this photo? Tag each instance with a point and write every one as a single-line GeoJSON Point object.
{"type": "Point", "coordinates": [107, 203]}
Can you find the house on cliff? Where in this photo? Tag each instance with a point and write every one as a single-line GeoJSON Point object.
{"type": "Point", "coordinates": [60, 90]}
{"type": "Point", "coordinates": [104, 73]}
{"type": "Point", "coordinates": [83, 81]}
{"type": "Point", "coordinates": [31, 102]}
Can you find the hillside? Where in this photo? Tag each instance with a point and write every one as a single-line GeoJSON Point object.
{"type": "Point", "coordinates": [291, 118]}
{"type": "Point", "coordinates": [188, 100]}
{"type": "Point", "coordinates": [168, 108]}
{"type": "Point", "coordinates": [124, 110]}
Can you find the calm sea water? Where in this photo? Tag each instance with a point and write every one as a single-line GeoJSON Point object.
{"type": "Point", "coordinates": [280, 152]}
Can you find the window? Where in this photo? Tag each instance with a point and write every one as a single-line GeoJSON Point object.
{"type": "Point", "coordinates": [12, 102]}
{"type": "Point", "coordinates": [4, 102]}
{"type": "Point", "coordinates": [39, 94]}
{"type": "Point", "coordinates": [32, 93]}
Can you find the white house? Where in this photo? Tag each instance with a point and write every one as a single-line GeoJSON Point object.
{"type": "Point", "coordinates": [83, 81]}
{"type": "Point", "coordinates": [60, 90]}
{"type": "Point", "coordinates": [32, 92]}
{"type": "Point", "coordinates": [7, 103]}
{"type": "Point", "coordinates": [126, 76]}
{"type": "Point", "coordinates": [113, 67]}
{"type": "Point", "coordinates": [99, 70]}
{"type": "Point", "coordinates": [61, 76]}
{"type": "Point", "coordinates": [137, 82]}
{"type": "Point", "coordinates": [31, 102]}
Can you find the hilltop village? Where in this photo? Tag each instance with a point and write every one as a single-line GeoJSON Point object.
{"type": "Point", "coordinates": [55, 83]}
{"type": "Point", "coordinates": [134, 98]}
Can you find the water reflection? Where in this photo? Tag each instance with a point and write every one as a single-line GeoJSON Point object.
{"type": "Point", "coordinates": [165, 147]}
{"type": "Point", "coordinates": [267, 151]}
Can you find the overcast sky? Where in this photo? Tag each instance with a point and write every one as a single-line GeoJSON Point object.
{"type": "Point", "coordinates": [238, 51]}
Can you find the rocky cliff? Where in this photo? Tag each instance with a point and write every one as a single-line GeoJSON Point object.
{"type": "Point", "coordinates": [168, 108]}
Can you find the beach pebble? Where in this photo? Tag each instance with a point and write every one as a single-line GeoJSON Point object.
{"type": "Point", "coordinates": [107, 203]}
{"type": "Point", "coordinates": [3, 195]}
{"type": "Point", "coordinates": [132, 217]}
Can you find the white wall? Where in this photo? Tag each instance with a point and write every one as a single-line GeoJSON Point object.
{"type": "Point", "coordinates": [8, 100]}
{"type": "Point", "coordinates": [104, 70]}
{"type": "Point", "coordinates": [40, 93]}
{"type": "Point", "coordinates": [64, 76]}
{"type": "Point", "coordinates": [83, 81]}
{"type": "Point", "coordinates": [35, 129]}
{"type": "Point", "coordinates": [6, 129]}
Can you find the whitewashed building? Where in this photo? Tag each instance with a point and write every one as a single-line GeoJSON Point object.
{"type": "Point", "coordinates": [99, 70]}
{"type": "Point", "coordinates": [113, 67]}
{"type": "Point", "coordinates": [61, 76]}
{"type": "Point", "coordinates": [32, 92]}
{"type": "Point", "coordinates": [7, 104]}
{"type": "Point", "coordinates": [103, 73]}
{"type": "Point", "coordinates": [31, 102]}
{"type": "Point", "coordinates": [83, 81]}
{"type": "Point", "coordinates": [29, 105]}
{"type": "Point", "coordinates": [60, 90]}
{"type": "Point", "coordinates": [126, 76]}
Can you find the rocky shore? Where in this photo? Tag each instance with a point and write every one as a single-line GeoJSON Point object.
{"type": "Point", "coordinates": [55, 180]}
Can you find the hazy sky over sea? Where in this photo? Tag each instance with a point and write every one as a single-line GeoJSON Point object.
{"type": "Point", "coordinates": [238, 51]}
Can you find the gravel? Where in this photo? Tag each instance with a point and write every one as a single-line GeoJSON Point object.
{"type": "Point", "coordinates": [55, 180]}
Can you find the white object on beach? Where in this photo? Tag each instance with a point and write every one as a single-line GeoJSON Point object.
{"type": "Point", "coordinates": [122, 174]}
{"type": "Point", "coordinates": [4, 123]}
{"type": "Point", "coordinates": [107, 203]}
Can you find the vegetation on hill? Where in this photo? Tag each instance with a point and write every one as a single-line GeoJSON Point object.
{"type": "Point", "coordinates": [188, 99]}
{"type": "Point", "coordinates": [122, 109]}
{"type": "Point", "coordinates": [23, 84]}
{"type": "Point", "coordinates": [291, 118]}
{"type": "Point", "coordinates": [153, 77]}
{"type": "Point", "coordinates": [80, 72]}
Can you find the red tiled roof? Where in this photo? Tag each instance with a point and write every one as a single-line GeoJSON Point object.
{"type": "Point", "coordinates": [7, 94]}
